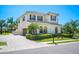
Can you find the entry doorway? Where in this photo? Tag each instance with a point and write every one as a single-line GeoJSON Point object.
{"type": "Point", "coordinates": [24, 31]}
{"type": "Point", "coordinates": [56, 30]}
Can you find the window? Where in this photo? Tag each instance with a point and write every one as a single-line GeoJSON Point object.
{"type": "Point", "coordinates": [40, 18]}
{"type": "Point", "coordinates": [32, 17]}
{"type": "Point", "coordinates": [24, 18]}
{"type": "Point", "coordinates": [41, 29]}
{"type": "Point", "coordinates": [53, 18]}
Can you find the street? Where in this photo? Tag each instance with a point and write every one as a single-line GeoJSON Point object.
{"type": "Point", "coordinates": [71, 48]}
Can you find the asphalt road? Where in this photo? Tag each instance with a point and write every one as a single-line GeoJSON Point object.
{"type": "Point", "coordinates": [72, 48]}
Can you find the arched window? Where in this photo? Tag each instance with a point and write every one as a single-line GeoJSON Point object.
{"type": "Point", "coordinates": [56, 30]}
{"type": "Point", "coordinates": [41, 29]}
{"type": "Point", "coordinates": [45, 29]}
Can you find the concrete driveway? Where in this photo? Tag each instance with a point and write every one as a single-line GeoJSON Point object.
{"type": "Point", "coordinates": [17, 42]}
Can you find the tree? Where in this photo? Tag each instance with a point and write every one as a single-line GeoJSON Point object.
{"type": "Point", "coordinates": [71, 27]}
{"type": "Point", "coordinates": [33, 28]}
{"type": "Point", "coordinates": [2, 24]}
{"type": "Point", "coordinates": [10, 20]}
{"type": "Point", "coordinates": [10, 23]}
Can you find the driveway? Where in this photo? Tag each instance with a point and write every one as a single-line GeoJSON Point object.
{"type": "Point", "coordinates": [17, 42]}
{"type": "Point", "coordinates": [72, 48]}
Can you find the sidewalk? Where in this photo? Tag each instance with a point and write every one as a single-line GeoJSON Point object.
{"type": "Point", "coordinates": [57, 41]}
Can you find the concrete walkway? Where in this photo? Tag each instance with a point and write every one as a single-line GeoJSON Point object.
{"type": "Point", "coordinates": [59, 41]}
{"type": "Point", "coordinates": [17, 42]}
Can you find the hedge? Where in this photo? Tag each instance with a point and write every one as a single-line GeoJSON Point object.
{"type": "Point", "coordinates": [44, 36]}
{"type": "Point", "coordinates": [64, 35]}
{"type": "Point", "coordinates": [67, 35]}
{"type": "Point", "coordinates": [38, 36]}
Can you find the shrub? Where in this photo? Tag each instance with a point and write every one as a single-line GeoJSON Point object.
{"type": "Point", "coordinates": [38, 36]}
{"type": "Point", "coordinates": [67, 35]}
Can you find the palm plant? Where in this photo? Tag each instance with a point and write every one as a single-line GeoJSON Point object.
{"type": "Point", "coordinates": [2, 24]}
{"type": "Point", "coordinates": [10, 23]}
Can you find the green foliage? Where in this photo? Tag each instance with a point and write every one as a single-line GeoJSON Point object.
{"type": "Point", "coordinates": [32, 28]}
{"type": "Point", "coordinates": [38, 37]}
{"type": "Point", "coordinates": [3, 43]}
{"type": "Point", "coordinates": [62, 42]}
{"type": "Point", "coordinates": [11, 24]}
{"type": "Point", "coordinates": [71, 27]}
{"type": "Point", "coordinates": [7, 25]}
{"type": "Point", "coordinates": [67, 35]}
{"type": "Point", "coordinates": [10, 20]}
{"type": "Point", "coordinates": [2, 24]}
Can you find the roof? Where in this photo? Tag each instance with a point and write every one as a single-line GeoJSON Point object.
{"type": "Point", "coordinates": [49, 13]}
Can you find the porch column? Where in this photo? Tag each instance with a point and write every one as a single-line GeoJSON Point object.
{"type": "Point", "coordinates": [38, 31]}
{"type": "Point", "coordinates": [36, 18]}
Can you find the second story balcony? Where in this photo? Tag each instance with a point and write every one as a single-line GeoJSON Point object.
{"type": "Point", "coordinates": [56, 23]}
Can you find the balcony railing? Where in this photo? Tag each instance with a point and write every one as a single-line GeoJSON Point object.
{"type": "Point", "coordinates": [43, 22]}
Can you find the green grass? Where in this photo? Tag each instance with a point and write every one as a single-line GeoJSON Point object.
{"type": "Point", "coordinates": [5, 34]}
{"type": "Point", "coordinates": [3, 43]}
{"type": "Point", "coordinates": [64, 42]}
{"type": "Point", "coordinates": [51, 39]}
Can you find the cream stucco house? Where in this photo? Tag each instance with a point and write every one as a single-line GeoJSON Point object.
{"type": "Point", "coordinates": [48, 22]}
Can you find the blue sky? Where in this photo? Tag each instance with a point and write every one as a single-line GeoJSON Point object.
{"type": "Point", "coordinates": [66, 12]}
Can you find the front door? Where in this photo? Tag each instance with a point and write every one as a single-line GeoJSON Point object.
{"type": "Point", "coordinates": [24, 31]}
{"type": "Point", "coordinates": [56, 30]}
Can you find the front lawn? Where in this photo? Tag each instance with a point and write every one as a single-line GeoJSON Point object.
{"type": "Point", "coordinates": [64, 42]}
{"type": "Point", "coordinates": [51, 39]}
{"type": "Point", "coordinates": [58, 40]}
{"type": "Point", "coordinates": [3, 43]}
{"type": "Point", "coordinates": [5, 33]}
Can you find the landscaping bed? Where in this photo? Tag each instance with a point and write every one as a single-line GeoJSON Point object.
{"type": "Point", "coordinates": [47, 37]}
{"type": "Point", "coordinates": [38, 36]}
{"type": "Point", "coordinates": [64, 38]}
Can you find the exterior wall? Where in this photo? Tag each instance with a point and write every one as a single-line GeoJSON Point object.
{"type": "Point", "coordinates": [50, 27]}
{"type": "Point", "coordinates": [46, 18]}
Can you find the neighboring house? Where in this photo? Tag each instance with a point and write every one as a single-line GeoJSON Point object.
{"type": "Point", "coordinates": [48, 22]}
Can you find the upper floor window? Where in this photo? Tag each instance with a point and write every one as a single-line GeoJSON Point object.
{"type": "Point", "coordinates": [32, 17]}
{"type": "Point", "coordinates": [24, 18]}
{"type": "Point", "coordinates": [40, 18]}
{"type": "Point", "coordinates": [53, 18]}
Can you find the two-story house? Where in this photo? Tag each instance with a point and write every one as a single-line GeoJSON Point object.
{"type": "Point", "coordinates": [48, 22]}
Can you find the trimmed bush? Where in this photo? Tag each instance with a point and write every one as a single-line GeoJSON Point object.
{"type": "Point", "coordinates": [38, 36]}
{"type": "Point", "coordinates": [67, 35]}
{"type": "Point", "coordinates": [44, 36]}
